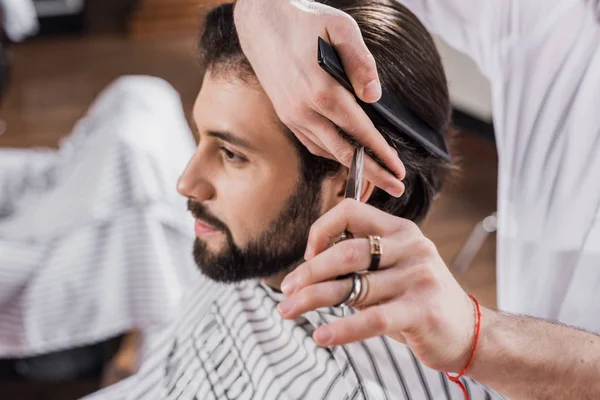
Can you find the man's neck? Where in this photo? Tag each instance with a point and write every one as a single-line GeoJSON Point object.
{"type": "Point", "coordinates": [274, 281]}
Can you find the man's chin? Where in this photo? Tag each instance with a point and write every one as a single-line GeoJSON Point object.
{"type": "Point", "coordinates": [225, 272]}
{"type": "Point", "coordinates": [213, 244]}
{"type": "Point", "coordinates": [227, 263]}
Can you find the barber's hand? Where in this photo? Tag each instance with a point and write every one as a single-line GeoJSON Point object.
{"type": "Point", "coordinates": [412, 297]}
{"type": "Point", "coordinates": [279, 38]}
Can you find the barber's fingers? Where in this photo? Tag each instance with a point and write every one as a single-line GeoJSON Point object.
{"type": "Point", "coordinates": [360, 219]}
{"type": "Point", "coordinates": [376, 287]}
{"type": "Point", "coordinates": [312, 143]}
{"type": "Point", "coordinates": [339, 107]}
{"type": "Point", "coordinates": [315, 125]}
{"type": "Point", "coordinates": [323, 294]}
{"type": "Point", "coordinates": [389, 319]}
{"type": "Point", "coordinates": [359, 64]}
{"type": "Point", "coordinates": [349, 256]}
{"type": "Point", "coordinates": [344, 258]}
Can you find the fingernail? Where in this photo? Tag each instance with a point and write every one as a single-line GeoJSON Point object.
{"type": "Point", "coordinates": [372, 91]}
{"type": "Point", "coordinates": [399, 166]}
{"type": "Point", "coordinates": [322, 336]}
{"type": "Point", "coordinates": [398, 189]}
{"type": "Point", "coordinates": [308, 253]}
{"type": "Point", "coordinates": [288, 286]}
{"type": "Point", "coordinates": [285, 306]}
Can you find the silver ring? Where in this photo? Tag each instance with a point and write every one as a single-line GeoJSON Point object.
{"type": "Point", "coordinates": [354, 293]}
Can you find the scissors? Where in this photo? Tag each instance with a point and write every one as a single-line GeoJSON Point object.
{"type": "Point", "coordinates": [354, 182]}
{"type": "Point", "coordinates": [353, 190]}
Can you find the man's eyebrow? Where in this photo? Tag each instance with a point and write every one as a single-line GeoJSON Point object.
{"type": "Point", "coordinates": [231, 138]}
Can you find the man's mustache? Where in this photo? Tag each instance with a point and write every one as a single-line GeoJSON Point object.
{"type": "Point", "coordinates": [200, 212]}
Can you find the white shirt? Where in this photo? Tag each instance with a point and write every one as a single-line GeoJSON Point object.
{"type": "Point", "coordinates": [20, 19]}
{"type": "Point", "coordinates": [94, 239]}
{"type": "Point", "coordinates": [542, 58]}
{"type": "Point", "coordinates": [230, 342]}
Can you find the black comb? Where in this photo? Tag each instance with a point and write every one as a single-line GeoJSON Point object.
{"type": "Point", "coordinates": [389, 107]}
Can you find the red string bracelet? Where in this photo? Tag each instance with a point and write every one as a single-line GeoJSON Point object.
{"type": "Point", "coordinates": [456, 379]}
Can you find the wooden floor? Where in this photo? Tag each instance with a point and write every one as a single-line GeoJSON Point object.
{"type": "Point", "coordinates": [54, 81]}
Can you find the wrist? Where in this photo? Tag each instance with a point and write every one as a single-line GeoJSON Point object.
{"type": "Point", "coordinates": [463, 362]}
{"type": "Point", "coordinates": [472, 350]}
{"type": "Point", "coordinates": [497, 346]}
{"type": "Point", "coordinates": [486, 342]}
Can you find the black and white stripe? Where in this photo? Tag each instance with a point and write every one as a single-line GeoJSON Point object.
{"type": "Point", "coordinates": [229, 342]}
{"type": "Point", "coordinates": [94, 240]}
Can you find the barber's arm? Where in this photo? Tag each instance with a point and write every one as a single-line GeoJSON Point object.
{"type": "Point", "coordinates": [413, 298]}
{"type": "Point", "coordinates": [528, 358]}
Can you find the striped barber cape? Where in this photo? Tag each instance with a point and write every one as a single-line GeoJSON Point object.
{"type": "Point", "coordinates": [229, 342]}
{"type": "Point", "coordinates": [94, 238]}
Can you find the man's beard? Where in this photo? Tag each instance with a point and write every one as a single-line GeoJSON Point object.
{"type": "Point", "coordinates": [276, 249]}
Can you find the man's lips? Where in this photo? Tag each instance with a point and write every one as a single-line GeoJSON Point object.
{"type": "Point", "coordinates": [202, 228]}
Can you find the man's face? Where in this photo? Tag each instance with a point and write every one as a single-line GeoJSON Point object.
{"type": "Point", "coordinates": [253, 211]}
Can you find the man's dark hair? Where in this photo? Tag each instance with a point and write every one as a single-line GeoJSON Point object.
{"type": "Point", "coordinates": [409, 67]}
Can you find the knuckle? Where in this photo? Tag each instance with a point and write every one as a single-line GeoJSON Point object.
{"type": "Point", "coordinates": [322, 99]}
{"type": "Point", "coordinates": [348, 207]}
{"type": "Point", "coordinates": [432, 318]}
{"type": "Point", "coordinates": [426, 280]}
{"type": "Point", "coordinates": [377, 320]}
{"type": "Point", "coordinates": [307, 276]}
{"type": "Point", "coordinates": [424, 246]}
{"type": "Point", "coordinates": [344, 153]}
{"type": "Point", "coordinates": [410, 227]}
{"type": "Point", "coordinates": [306, 297]}
{"type": "Point", "coordinates": [343, 26]}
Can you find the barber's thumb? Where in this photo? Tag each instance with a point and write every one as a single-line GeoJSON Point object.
{"type": "Point", "coordinates": [362, 72]}
{"type": "Point", "coordinates": [359, 64]}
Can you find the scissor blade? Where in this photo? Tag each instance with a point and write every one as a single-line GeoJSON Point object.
{"type": "Point", "coordinates": [354, 183]}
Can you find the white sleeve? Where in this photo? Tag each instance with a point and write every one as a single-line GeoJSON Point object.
{"type": "Point", "coordinates": [479, 28]}
{"type": "Point", "coordinates": [458, 22]}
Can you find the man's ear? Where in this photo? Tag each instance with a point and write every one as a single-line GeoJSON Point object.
{"type": "Point", "coordinates": [334, 189]}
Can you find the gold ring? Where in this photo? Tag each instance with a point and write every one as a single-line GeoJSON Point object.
{"type": "Point", "coordinates": [376, 252]}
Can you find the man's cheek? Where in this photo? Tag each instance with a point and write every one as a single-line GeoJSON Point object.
{"type": "Point", "coordinates": [241, 233]}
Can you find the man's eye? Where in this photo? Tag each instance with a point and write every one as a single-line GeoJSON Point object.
{"type": "Point", "coordinates": [231, 156]}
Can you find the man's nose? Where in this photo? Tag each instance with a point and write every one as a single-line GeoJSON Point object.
{"type": "Point", "coordinates": [192, 182]}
